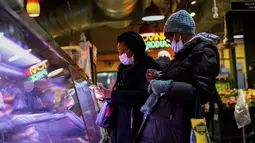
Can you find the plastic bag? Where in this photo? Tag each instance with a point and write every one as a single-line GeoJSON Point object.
{"type": "Point", "coordinates": [242, 114]}
{"type": "Point", "coordinates": [104, 118]}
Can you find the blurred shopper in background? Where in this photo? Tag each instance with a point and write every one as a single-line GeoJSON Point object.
{"type": "Point", "coordinates": [191, 74]}
{"type": "Point", "coordinates": [163, 59]}
{"type": "Point", "coordinates": [130, 91]}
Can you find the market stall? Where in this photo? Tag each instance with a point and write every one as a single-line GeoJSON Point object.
{"type": "Point", "coordinates": [224, 126]}
{"type": "Point", "coordinates": [42, 97]}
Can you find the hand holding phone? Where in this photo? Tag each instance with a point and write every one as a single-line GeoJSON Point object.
{"type": "Point", "coordinates": [153, 74]}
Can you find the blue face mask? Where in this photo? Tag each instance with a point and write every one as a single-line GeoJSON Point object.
{"type": "Point", "coordinates": [177, 46]}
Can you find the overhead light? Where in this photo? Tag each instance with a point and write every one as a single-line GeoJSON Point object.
{"type": "Point", "coordinates": [238, 36]}
{"type": "Point", "coordinates": [1, 33]}
{"type": "Point", "coordinates": [153, 18]}
{"type": "Point", "coordinates": [55, 72]}
{"type": "Point", "coordinates": [19, 56]}
{"type": "Point", "coordinates": [33, 8]}
{"type": "Point", "coordinates": [153, 13]}
{"type": "Point", "coordinates": [147, 34]}
{"type": "Point", "coordinates": [18, 51]}
{"type": "Point", "coordinates": [192, 14]}
{"type": "Point", "coordinates": [193, 2]}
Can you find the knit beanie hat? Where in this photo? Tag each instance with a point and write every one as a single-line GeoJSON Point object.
{"type": "Point", "coordinates": [180, 22]}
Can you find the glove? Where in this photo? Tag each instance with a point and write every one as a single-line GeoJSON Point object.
{"type": "Point", "coordinates": [150, 103]}
{"type": "Point", "coordinates": [159, 87]}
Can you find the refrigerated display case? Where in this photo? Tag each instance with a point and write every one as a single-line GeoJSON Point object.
{"type": "Point", "coordinates": [107, 79]}
{"type": "Point", "coordinates": [43, 99]}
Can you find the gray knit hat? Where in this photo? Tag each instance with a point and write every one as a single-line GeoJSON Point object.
{"type": "Point", "coordinates": [180, 22]}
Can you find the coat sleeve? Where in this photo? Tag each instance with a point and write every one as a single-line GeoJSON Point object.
{"type": "Point", "coordinates": [133, 97]}
{"type": "Point", "coordinates": [129, 97]}
{"type": "Point", "coordinates": [203, 73]}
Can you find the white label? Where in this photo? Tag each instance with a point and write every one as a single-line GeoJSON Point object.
{"type": "Point", "coordinates": [216, 117]}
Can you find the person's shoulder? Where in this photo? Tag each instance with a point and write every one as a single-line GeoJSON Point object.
{"type": "Point", "coordinates": [204, 47]}
{"type": "Point", "coordinates": [150, 63]}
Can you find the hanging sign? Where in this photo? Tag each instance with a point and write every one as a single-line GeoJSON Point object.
{"type": "Point", "coordinates": [155, 40]}
{"type": "Point", "coordinates": [37, 71]}
{"type": "Point", "coordinates": [243, 5]}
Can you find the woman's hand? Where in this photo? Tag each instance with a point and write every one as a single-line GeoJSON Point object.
{"type": "Point", "coordinates": [103, 93]}
{"type": "Point", "coordinates": [152, 74]}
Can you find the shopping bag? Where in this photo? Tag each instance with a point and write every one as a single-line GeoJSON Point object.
{"type": "Point", "coordinates": [199, 132]}
{"type": "Point", "coordinates": [104, 118]}
{"type": "Point", "coordinates": [242, 114]}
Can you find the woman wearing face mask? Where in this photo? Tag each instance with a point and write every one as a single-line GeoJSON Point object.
{"type": "Point", "coordinates": [130, 92]}
{"type": "Point", "coordinates": [191, 74]}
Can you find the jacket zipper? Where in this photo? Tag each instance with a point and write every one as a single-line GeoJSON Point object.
{"type": "Point", "coordinates": [165, 72]}
{"type": "Point", "coordinates": [132, 119]}
{"type": "Point", "coordinates": [171, 114]}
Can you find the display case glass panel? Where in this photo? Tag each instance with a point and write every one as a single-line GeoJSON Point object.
{"type": "Point", "coordinates": [88, 103]}
{"type": "Point", "coordinates": [38, 98]}
{"type": "Point", "coordinates": [107, 79]}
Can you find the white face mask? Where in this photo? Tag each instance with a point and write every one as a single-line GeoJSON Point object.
{"type": "Point", "coordinates": [125, 60]}
{"type": "Point", "coordinates": [177, 46]}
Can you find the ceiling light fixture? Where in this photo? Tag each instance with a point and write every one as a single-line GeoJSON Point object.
{"type": "Point", "coordinates": [192, 14]}
{"type": "Point", "coordinates": [147, 34]}
{"type": "Point", "coordinates": [55, 72]}
{"type": "Point", "coordinates": [153, 13]}
{"type": "Point", "coordinates": [17, 50]}
{"type": "Point", "coordinates": [33, 8]}
{"type": "Point", "coordinates": [238, 36]}
{"type": "Point", "coordinates": [19, 56]}
{"type": "Point", "coordinates": [193, 2]}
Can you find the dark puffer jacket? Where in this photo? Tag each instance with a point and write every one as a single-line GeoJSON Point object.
{"type": "Point", "coordinates": [193, 72]}
{"type": "Point", "coordinates": [127, 99]}
{"type": "Point", "coordinates": [163, 62]}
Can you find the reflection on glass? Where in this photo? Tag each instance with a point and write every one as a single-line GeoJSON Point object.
{"type": "Point", "coordinates": [40, 111]}
{"type": "Point", "coordinates": [107, 79]}
{"type": "Point", "coordinates": [88, 105]}
{"type": "Point", "coordinates": [38, 99]}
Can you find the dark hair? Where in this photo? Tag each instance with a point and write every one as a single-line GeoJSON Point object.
{"type": "Point", "coordinates": [134, 42]}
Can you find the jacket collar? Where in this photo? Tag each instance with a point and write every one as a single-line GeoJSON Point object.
{"type": "Point", "coordinates": [199, 38]}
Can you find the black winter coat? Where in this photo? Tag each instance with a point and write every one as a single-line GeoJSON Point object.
{"type": "Point", "coordinates": [193, 72]}
{"type": "Point", "coordinates": [127, 99]}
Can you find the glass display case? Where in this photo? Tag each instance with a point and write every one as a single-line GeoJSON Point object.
{"type": "Point", "coordinates": [43, 99]}
{"type": "Point", "coordinates": [107, 79]}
